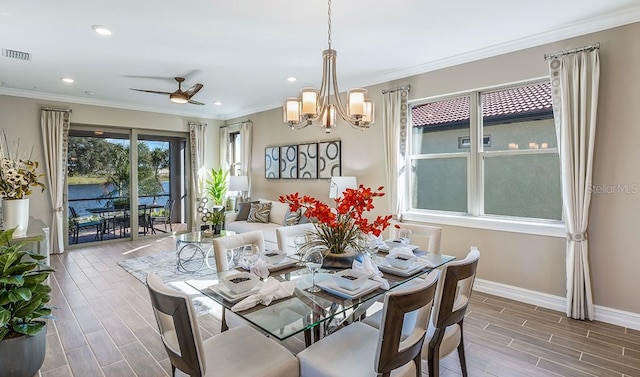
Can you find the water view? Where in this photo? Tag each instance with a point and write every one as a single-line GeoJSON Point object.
{"type": "Point", "coordinates": [86, 196]}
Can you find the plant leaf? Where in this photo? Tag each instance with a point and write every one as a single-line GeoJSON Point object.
{"type": "Point", "coordinates": [19, 294]}
{"type": "Point", "coordinates": [5, 317]}
{"type": "Point", "coordinates": [31, 329]}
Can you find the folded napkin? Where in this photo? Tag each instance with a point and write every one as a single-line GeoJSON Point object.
{"type": "Point", "coordinates": [369, 267]}
{"type": "Point", "coordinates": [271, 290]}
{"type": "Point", "coordinates": [261, 268]}
{"type": "Point", "coordinates": [376, 242]}
{"type": "Point", "coordinates": [403, 250]}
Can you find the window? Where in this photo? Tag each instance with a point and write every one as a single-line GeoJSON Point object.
{"type": "Point", "coordinates": [235, 153]}
{"type": "Point", "coordinates": [489, 153]}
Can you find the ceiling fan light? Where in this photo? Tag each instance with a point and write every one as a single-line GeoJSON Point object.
{"type": "Point", "coordinates": [178, 98]}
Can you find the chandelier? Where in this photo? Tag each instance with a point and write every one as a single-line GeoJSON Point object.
{"type": "Point", "coordinates": [317, 107]}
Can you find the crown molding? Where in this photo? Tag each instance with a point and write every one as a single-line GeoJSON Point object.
{"type": "Point", "coordinates": [96, 102]}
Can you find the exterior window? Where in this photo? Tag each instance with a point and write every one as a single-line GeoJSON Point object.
{"type": "Point", "coordinates": [498, 160]}
{"type": "Point", "coordinates": [235, 153]}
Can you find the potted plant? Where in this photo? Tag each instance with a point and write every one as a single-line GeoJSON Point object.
{"type": "Point", "coordinates": [217, 186]}
{"type": "Point", "coordinates": [23, 304]}
{"type": "Point", "coordinates": [213, 220]}
{"type": "Point", "coordinates": [339, 231]}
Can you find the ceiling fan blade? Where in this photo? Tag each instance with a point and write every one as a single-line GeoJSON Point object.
{"type": "Point", "coordinates": [196, 102]}
{"type": "Point", "coordinates": [193, 90]}
{"type": "Point", "coordinates": [150, 91]}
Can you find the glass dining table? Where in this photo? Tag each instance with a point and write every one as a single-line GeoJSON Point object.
{"type": "Point", "coordinates": [315, 314]}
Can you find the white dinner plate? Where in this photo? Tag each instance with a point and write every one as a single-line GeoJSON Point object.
{"type": "Point", "coordinates": [330, 286]}
{"type": "Point", "coordinates": [286, 262]}
{"type": "Point", "coordinates": [383, 265]}
{"type": "Point", "coordinates": [223, 291]}
{"type": "Point", "coordinates": [390, 244]}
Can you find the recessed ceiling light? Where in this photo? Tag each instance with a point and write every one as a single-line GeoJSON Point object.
{"type": "Point", "coordinates": [292, 79]}
{"type": "Point", "coordinates": [98, 132]}
{"type": "Point", "coordinates": [217, 103]}
{"type": "Point", "coordinates": [102, 30]}
{"type": "Point", "coordinates": [68, 80]}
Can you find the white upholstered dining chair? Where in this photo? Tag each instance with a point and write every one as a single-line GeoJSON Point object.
{"type": "Point", "coordinates": [222, 248]}
{"type": "Point", "coordinates": [241, 351]}
{"type": "Point", "coordinates": [359, 350]}
{"type": "Point", "coordinates": [445, 333]}
{"type": "Point", "coordinates": [286, 235]}
{"type": "Point", "coordinates": [427, 237]}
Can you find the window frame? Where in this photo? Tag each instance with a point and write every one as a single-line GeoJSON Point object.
{"type": "Point", "coordinates": [476, 155]}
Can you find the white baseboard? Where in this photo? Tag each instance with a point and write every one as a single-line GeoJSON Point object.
{"type": "Point", "coordinates": [604, 314]}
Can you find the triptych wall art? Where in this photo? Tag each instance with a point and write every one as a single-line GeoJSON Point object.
{"type": "Point", "coordinates": [303, 161]}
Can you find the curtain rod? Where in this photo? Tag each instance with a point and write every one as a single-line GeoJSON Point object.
{"type": "Point", "coordinates": [594, 46]}
{"type": "Point", "coordinates": [406, 87]}
{"type": "Point", "coordinates": [235, 124]}
{"type": "Point", "coordinates": [53, 109]}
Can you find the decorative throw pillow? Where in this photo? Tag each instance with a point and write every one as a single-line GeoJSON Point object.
{"type": "Point", "coordinates": [243, 210]}
{"type": "Point", "coordinates": [259, 213]}
{"type": "Point", "coordinates": [304, 220]}
{"type": "Point", "coordinates": [292, 218]}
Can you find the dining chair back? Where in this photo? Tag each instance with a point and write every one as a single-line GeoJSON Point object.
{"type": "Point", "coordinates": [178, 328]}
{"type": "Point", "coordinates": [222, 246]}
{"type": "Point", "coordinates": [427, 237]}
{"type": "Point", "coordinates": [452, 298]}
{"type": "Point", "coordinates": [285, 235]}
{"type": "Point", "coordinates": [361, 350]}
{"type": "Point", "coordinates": [240, 351]}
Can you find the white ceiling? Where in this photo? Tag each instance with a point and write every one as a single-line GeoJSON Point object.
{"type": "Point", "coordinates": [244, 50]}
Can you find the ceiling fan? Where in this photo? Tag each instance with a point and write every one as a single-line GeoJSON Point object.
{"type": "Point", "coordinates": [179, 96]}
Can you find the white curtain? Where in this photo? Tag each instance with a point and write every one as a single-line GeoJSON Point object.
{"type": "Point", "coordinates": [395, 117]}
{"type": "Point", "coordinates": [224, 148]}
{"type": "Point", "coordinates": [246, 138]}
{"type": "Point", "coordinates": [55, 138]}
{"type": "Point", "coordinates": [574, 82]}
{"type": "Point", "coordinates": [197, 140]}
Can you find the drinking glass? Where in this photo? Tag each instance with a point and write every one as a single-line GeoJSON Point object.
{"type": "Point", "coordinates": [250, 254]}
{"type": "Point", "coordinates": [300, 241]}
{"type": "Point", "coordinates": [313, 260]}
{"type": "Point", "coordinates": [404, 236]}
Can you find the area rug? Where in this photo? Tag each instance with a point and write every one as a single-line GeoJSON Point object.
{"type": "Point", "coordinates": [164, 265]}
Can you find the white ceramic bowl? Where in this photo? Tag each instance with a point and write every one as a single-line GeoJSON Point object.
{"type": "Point", "coordinates": [401, 261]}
{"type": "Point", "coordinates": [350, 279]}
{"type": "Point", "coordinates": [241, 282]}
{"type": "Point", "coordinates": [273, 256]}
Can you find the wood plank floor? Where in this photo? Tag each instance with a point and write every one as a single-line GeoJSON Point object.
{"type": "Point", "coordinates": [105, 327]}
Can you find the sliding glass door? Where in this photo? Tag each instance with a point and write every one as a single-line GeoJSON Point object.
{"type": "Point", "coordinates": [104, 172]}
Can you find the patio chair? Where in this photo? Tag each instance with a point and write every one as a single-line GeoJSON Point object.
{"type": "Point", "coordinates": [79, 223]}
{"type": "Point", "coordinates": [165, 218]}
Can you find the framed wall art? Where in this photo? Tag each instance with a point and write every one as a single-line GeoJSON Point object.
{"type": "Point", "coordinates": [272, 162]}
{"type": "Point", "coordinates": [289, 162]}
{"type": "Point", "coordinates": [329, 164]}
{"type": "Point", "coordinates": [308, 161]}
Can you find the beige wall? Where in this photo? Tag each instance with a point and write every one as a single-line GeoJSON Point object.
{"type": "Point", "coordinates": [20, 118]}
{"type": "Point", "coordinates": [531, 262]}
{"type": "Point", "coordinates": [527, 261]}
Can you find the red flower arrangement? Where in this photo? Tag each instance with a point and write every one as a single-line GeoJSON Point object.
{"type": "Point", "coordinates": [343, 227]}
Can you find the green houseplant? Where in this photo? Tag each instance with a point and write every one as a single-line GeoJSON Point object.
{"type": "Point", "coordinates": [23, 304]}
{"type": "Point", "coordinates": [217, 186]}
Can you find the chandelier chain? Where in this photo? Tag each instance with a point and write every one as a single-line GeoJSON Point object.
{"type": "Point", "coordinates": [329, 25]}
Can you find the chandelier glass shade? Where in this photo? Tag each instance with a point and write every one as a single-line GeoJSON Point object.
{"type": "Point", "coordinates": [321, 107]}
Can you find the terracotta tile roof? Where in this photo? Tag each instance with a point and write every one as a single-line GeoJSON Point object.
{"type": "Point", "coordinates": [512, 103]}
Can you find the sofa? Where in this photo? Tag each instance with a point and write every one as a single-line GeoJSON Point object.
{"type": "Point", "coordinates": [268, 215]}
